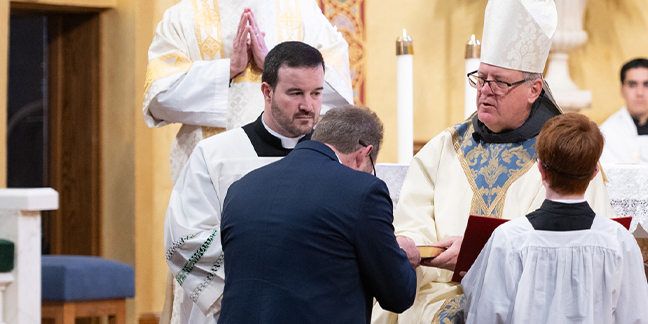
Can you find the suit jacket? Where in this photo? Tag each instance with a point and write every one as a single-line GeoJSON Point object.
{"type": "Point", "coordinates": [309, 240]}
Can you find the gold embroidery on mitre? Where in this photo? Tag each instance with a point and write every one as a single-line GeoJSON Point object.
{"type": "Point", "coordinates": [208, 29]}
{"type": "Point", "coordinates": [252, 73]}
{"type": "Point", "coordinates": [211, 131]}
{"type": "Point", "coordinates": [165, 66]}
{"type": "Point", "coordinates": [289, 22]}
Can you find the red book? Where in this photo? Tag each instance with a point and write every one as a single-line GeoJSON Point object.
{"type": "Point", "coordinates": [479, 230]}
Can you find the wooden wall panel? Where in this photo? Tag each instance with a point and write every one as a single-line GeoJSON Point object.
{"type": "Point", "coordinates": [74, 133]}
{"type": "Point", "coordinates": [66, 5]}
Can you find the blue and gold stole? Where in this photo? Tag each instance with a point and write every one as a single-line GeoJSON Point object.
{"type": "Point", "coordinates": [491, 168]}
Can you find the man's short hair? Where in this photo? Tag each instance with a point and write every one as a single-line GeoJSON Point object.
{"type": "Point", "coordinates": [569, 147]}
{"type": "Point", "coordinates": [633, 64]}
{"type": "Point", "coordinates": [290, 54]}
{"type": "Point", "coordinates": [349, 128]}
{"type": "Point", "coordinates": [531, 76]}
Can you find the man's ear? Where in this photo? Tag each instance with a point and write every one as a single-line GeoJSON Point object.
{"type": "Point", "coordinates": [362, 157]}
{"type": "Point", "coordinates": [267, 91]}
{"type": "Point", "coordinates": [536, 90]}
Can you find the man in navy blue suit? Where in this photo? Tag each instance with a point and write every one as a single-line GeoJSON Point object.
{"type": "Point", "coordinates": [309, 238]}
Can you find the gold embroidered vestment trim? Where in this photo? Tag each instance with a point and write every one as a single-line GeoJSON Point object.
{"type": "Point", "coordinates": [165, 66]}
{"type": "Point", "coordinates": [208, 29]}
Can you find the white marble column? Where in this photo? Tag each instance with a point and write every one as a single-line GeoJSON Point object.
{"type": "Point", "coordinates": [21, 223]}
{"type": "Point", "coordinates": [5, 280]}
{"type": "Point", "coordinates": [569, 34]}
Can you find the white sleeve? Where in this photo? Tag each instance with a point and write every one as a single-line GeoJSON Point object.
{"type": "Point", "coordinates": [414, 216]}
{"type": "Point", "coordinates": [632, 303]}
{"type": "Point", "coordinates": [180, 88]}
{"type": "Point", "coordinates": [319, 33]}
{"type": "Point", "coordinates": [192, 234]}
{"type": "Point", "coordinates": [491, 283]}
{"type": "Point", "coordinates": [199, 97]}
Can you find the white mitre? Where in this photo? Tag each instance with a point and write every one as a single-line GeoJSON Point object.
{"type": "Point", "coordinates": [517, 33]}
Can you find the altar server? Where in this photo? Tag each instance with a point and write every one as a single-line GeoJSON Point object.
{"type": "Point", "coordinates": [206, 60]}
{"type": "Point", "coordinates": [486, 164]}
{"type": "Point", "coordinates": [626, 131]}
{"type": "Point", "coordinates": [562, 263]}
{"type": "Point", "coordinates": [293, 82]}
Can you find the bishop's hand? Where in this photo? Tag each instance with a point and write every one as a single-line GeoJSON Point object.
{"type": "Point", "coordinates": [448, 259]}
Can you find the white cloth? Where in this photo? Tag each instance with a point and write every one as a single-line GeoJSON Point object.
{"type": "Point", "coordinates": [435, 202]}
{"type": "Point", "coordinates": [192, 226]}
{"type": "Point", "coordinates": [528, 276]}
{"type": "Point", "coordinates": [188, 72]}
{"type": "Point", "coordinates": [622, 142]}
{"type": "Point", "coordinates": [517, 33]}
{"type": "Point", "coordinates": [628, 189]}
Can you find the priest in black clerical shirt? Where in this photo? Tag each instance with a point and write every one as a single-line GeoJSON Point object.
{"type": "Point", "coordinates": [562, 263]}
{"type": "Point", "coordinates": [293, 79]}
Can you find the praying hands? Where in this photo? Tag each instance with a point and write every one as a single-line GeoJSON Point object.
{"type": "Point", "coordinates": [249, 45]}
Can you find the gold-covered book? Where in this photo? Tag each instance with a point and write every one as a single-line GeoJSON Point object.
{"type": "Point", "coordinates": [429, 251]}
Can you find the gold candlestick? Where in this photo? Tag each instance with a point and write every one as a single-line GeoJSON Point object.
{"type": "Point", "coordinates": [404, 44]}
{"type": "Point", "coordinates": [473, 48]}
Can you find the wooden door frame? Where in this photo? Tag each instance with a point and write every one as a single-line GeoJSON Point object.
{"type": "Point", "coordinates": [73, 89]}
{"type": "Point", "coordinates": [74, 140]}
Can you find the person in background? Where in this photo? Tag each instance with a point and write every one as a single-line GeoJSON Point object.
{"type": "Point", "coordinates": [626, 131]}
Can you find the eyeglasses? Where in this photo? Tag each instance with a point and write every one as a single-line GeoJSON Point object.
{"type": "Point", "coordinates": [373, 166]}
{"type": "Point", "coordinates": [499, 88]}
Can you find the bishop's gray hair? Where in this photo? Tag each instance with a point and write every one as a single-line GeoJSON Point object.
{"type": "Point", "coordinates": [531, 76]}
{"type": "Point", "coordinates": [349, 128]}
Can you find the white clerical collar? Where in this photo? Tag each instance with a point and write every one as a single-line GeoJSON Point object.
{"type": "Point", "coordinates": [286, 142]}
{"type": "Point", "coordinates": [568, 201]}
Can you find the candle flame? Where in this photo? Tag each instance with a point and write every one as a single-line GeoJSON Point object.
{"type": "Point", "coordinates": [404, 33]}
{"type": "Point", "coordinates": [472, 38]}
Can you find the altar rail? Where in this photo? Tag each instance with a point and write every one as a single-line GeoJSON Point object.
{"type": "Point", "coordinates": [20, 220]}
{"type": "Point", "coordinates": [627, 187]}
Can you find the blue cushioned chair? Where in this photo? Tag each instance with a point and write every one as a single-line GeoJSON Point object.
{"type": "Point", "coordinates": [85, 286]}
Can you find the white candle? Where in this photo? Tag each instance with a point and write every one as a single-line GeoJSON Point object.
{"type": "Point", "coordinates": [405, 97]}
{"type": "Point", "coordinates": [473, 51]}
